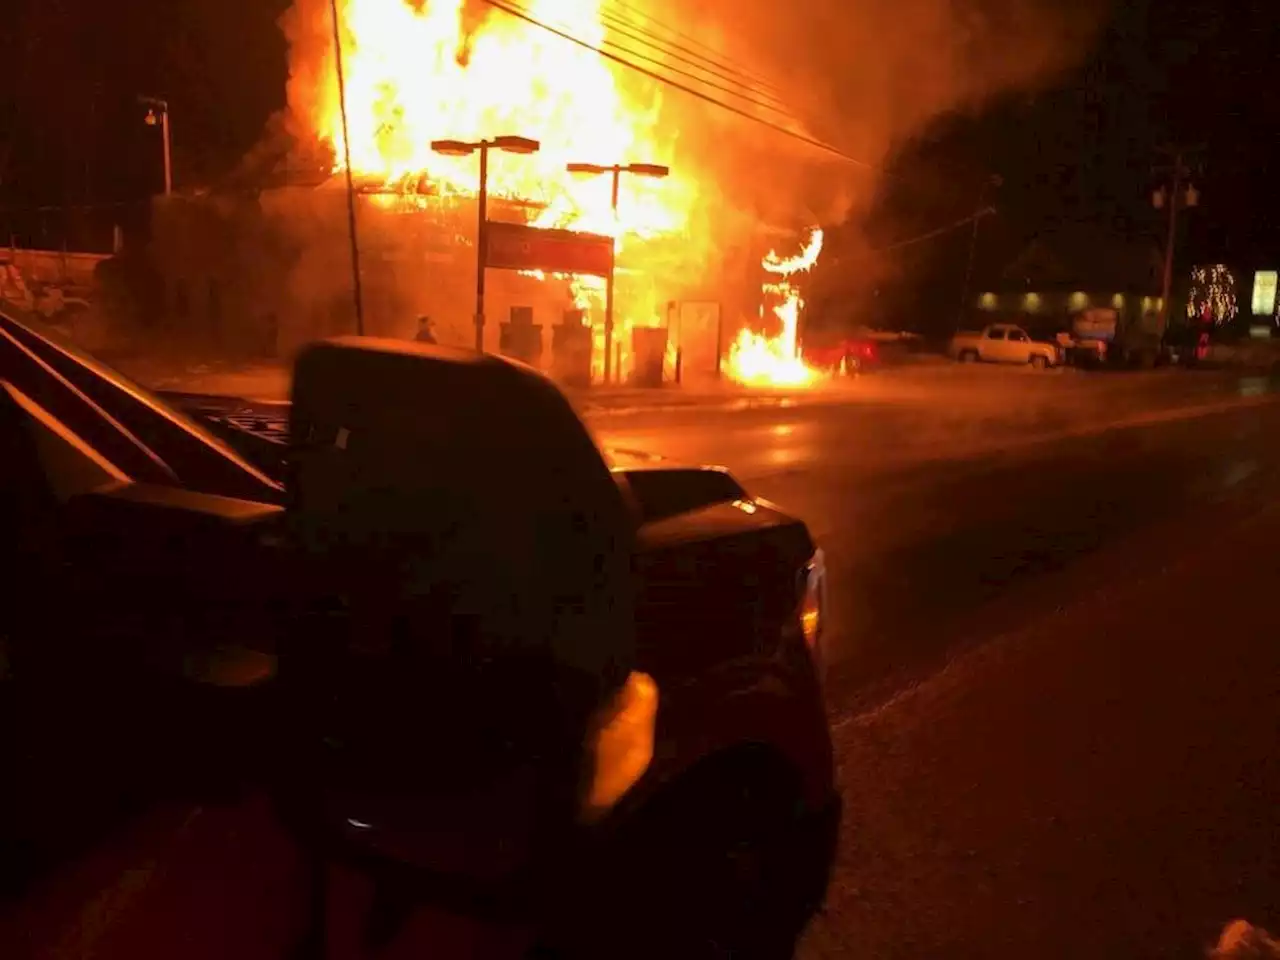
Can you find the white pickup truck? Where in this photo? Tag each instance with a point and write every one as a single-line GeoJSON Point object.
{"type": "Point", "coordinates": [1003, 343]}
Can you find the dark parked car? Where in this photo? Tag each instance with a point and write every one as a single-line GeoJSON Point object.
{"type": "Point", "coordinates": [844, 356]}
{"type": "Point", "coordinates": [418, 608]}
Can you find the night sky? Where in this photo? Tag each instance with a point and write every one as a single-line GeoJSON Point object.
{"type": "Point", "coordinates": [1186, 72]}
{"type": "Point", "coordinates": [1163, 71]}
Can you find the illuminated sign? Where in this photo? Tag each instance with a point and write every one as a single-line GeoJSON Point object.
{"type": "Point", "coordinates": [514, 246]}
{"type": "Point", "coordinates": [1264, 293]}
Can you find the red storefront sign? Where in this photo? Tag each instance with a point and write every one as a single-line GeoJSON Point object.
{"type": "Point", "coordinates": [514, 246]}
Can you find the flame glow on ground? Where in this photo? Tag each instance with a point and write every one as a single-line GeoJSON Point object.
{"type": "Point", "coordinates": [757, 360]}
{"type": "Point", "coordinates": [421, 70]}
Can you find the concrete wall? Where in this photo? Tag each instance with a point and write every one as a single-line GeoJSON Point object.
{"type": "Point", "coordinates": [62, 268]}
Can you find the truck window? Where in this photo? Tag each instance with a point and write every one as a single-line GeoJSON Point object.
{"type": "Point", "coordinates": [995, 334]}
{"type": "Point", "coordinates": [1017, 335]}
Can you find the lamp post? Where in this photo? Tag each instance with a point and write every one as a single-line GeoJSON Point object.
{"type": "Point", "coordinates": [615, 171]}
{"type": "Point", "coordinates": [464, 148]}
{"type": "Point", "coordinates": [158, 112]}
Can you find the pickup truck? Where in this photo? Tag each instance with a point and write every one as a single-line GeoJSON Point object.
{"type": "Point", "coordinates": [1003, 343]}
{"type": "Point", "coordinates": [615, 672]}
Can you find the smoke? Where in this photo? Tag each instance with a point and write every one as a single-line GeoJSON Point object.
{"type": "Point", "coordinates": [864, 77]}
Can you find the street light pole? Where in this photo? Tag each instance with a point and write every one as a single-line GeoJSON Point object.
{"type": "Point", "coordinates": [482, 244]}
{"type": "Point", "coordinates": [615, 171]}
{"type": "Point", "coordinates": [158, 112]}
{"type": "Point", "coordinates": [464, 148]}
{"type": "Point", "coordinates": [608, 283]}
{"type": "Point", "coordinates": [168, 154]}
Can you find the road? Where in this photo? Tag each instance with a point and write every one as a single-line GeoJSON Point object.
{"type": "Point", "coordinates": [1054, 676]}
{"type": "Point", "coordinates": [1055, 681]}
{"type": "Point", "coordinates": [965, 508]}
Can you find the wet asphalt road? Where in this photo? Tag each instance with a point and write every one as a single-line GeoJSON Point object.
{"type": "Point", "coordinates": [978, 502]}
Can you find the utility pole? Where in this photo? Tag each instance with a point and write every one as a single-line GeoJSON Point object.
{"type": "Point", "coordinates": [995, 180]}
{"type": "Point", "coordinates": [1180, 193]}
{"type": "Point", "coordinates": [353, 241]}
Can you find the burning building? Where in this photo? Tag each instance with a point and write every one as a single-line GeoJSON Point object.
{"type": "Point", "coordinates": [269, 269]}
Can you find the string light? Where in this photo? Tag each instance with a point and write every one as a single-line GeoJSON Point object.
{"type": "Point", "coordinates": [1215, 287]}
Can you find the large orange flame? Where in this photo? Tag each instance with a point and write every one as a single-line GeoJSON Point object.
{"type": "Point", "coordinates": [418, 71]}
{"type": "Point", "coordinates": [757, 360]}
{"type": "Point", "coordinates": [423, 70]}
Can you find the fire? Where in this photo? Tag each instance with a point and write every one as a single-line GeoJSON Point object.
{"type": "Point", "coordinates": [421, 70]}
{"type": "Point", "coordinates": [416, 72]}
{"type": "Point", "coordinates": [757, 360]}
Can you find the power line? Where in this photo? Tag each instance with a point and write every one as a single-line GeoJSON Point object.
{"type": "Point", "coordinates": [771, 102]}
{"type": "Point", "coordinates": [637, 14]}
{"type": "Point", "coordinates": [653, 75]}
{"type": "Point", "coordinates": [972, 218]}
{"type": "Point", "coordinates": [664, 55]}
{"type": "Point", "coordinates": [716, 67]}
{"type": "Point", "coordinates": [772, 107]}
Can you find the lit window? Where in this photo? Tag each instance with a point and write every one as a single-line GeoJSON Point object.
{"type": "Point", "coordinates": [1032, 302]}
{"type": "Point", "coordinates": [1264, 292]}
{"type": "Point", "coordinates": [1079, 300]}
{"type": "Point", "coordinates": [1118, 301]}
{"type": "Point", "coordinates": [988, 301]}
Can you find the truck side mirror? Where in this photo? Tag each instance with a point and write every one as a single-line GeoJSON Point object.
{"type": "Point", "coordinates": [468, 481]}
{"type": "Point", "coordinates": [481, 549]}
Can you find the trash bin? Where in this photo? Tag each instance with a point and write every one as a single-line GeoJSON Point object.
{"type": "Point", "coordinates": [571, 351]}
{"type": "Point", "coordinates": [521, 338]}
{"type": "Point", "coordinates": [649, 348]}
